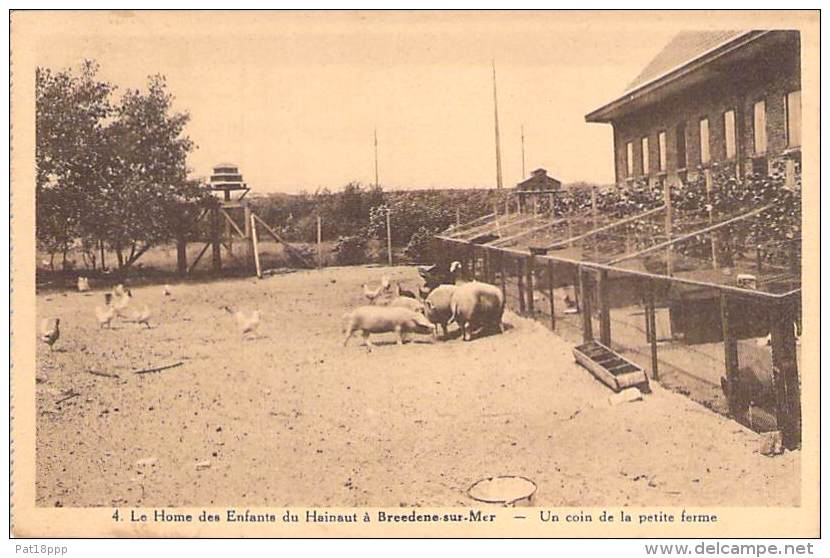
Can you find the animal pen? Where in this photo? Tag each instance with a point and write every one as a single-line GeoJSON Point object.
{"type": "Point", "coordinates": [693, 297]}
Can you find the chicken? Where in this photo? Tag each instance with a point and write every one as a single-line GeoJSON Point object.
{"type": "Point", "coordinates": [143, 317]}
{"type": "Point", "coordinates": [373, 294]}
{"type": "Point", "coordinates": [168, 290]}
{"type": "Point", "coordinates": [83, 284]}
{"type": "Point", "coordinates": [247, 324]}
{"type": "Point", "coordinates": [104, 315]}
{"type": "Point", "coordinates": [120, 303]}
{"type": "Point", "coordinates": [50, 331]}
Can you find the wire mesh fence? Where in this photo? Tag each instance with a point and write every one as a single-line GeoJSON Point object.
{"type": "Point", "coordinates": [716, 346]}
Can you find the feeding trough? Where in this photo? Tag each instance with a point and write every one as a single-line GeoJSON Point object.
{"type": "Point", "coordinates": [508, 491]}
{"type": "Point", "coordinates": [538, 250]}
{"type": "Point", "coordinates": [608, 367]}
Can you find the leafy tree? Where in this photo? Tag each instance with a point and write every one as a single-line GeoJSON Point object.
{"type": "Point", "coordinates": [70, 115]}
{"type": "Point", "coordinates": [149, 198]}
{"type": "Point", "coordinates": [110, 173]}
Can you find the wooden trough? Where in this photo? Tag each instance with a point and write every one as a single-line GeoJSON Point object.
{"type": "Point", "coordinates": [608, 367]}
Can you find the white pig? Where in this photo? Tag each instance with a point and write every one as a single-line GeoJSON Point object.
{"type": "Point", "coordinates": [382, 319]}
{"type": "Point", "coordinates": [476, 306]}
{"type": "Point", "coordinates": [438, 309]}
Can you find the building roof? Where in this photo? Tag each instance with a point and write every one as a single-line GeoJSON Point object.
{"type": "Point", "coordinates": [683, 48]}
{"type": "Point", "coordinates": [682, 57]}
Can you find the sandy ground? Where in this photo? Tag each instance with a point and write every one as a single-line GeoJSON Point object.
{"type": "Point", "coordinates": [291, 418]}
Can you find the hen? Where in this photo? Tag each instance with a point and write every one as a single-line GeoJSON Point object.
{"type": "Point", "coordinates": [104, 315]}
{"type": "Point", "coordinates": [50, 331]}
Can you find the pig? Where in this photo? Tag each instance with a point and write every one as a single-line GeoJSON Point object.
{"type": "Point", "coordinates": [438, 310]}
{"type": "Point", "coordinates": [406, 302]}
{"type": "Point", "coordinates": [381, 319]}
{"type": "Point", "coordinates": [477, 306]}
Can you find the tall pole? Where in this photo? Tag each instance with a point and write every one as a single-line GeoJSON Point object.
{"type": "Point", "coordinates": [524, 173]}
{"type": "Point", "coordinates": [389, 234]}
{"type": "Point", "coordinates": [377, 182]}
{"type": "Point", "coordinates": [498, 143]}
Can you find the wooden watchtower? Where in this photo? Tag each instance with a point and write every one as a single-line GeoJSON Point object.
{"type": "Point", "coordinates": [233, 218]}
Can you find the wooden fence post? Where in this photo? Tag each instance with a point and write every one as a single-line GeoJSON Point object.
{"type": "Point", "coordinates": [248, 224]}
{"type": "Point", "coordinates": [255, 243]}
{"type": "Point", "coordinates": [730, 347]}
{"type": "Point", "coordinates": [668, 228]}
{"type": "Point", "coordinates": [216, 238]}
{"type": "Point", "coordinates": [530, 266]}
{"type": "Point", "coordinates": [550, 294]}
{"type": "Point", "coordinates": [389, 233]}
{"type": "Point", "coordinates": [488, 272]}
{"type": "Point", "coordinates": [521, 283]}
{"type": "Point", "coordinates": [501, 274]}
{"type": "Point", "coordinates": [785, 373]}
{"type": "Point", "coordinates": [587, 326]}
{"type": "Point", "coordinates": [319, 242]}
{"type": "Point", "coordinates": [651, 328]}
{"type": "Point", "coordinates": [604, 310]}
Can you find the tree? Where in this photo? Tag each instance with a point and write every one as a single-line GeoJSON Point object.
{"type": "Point", "coordinates": [149, 198]}
{"type": "Point", "coordinates": [70, 112]}
{"type": "Point", "coordinates": [109, 173]}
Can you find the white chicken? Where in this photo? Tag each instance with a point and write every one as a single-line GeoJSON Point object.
{"type": "Point", "coordinates": [373, 294]}
{"type": "Point", "coordinates": [121, 302]}
{"type": "Point", "coordinates": [143, 317]}
{"type": "Point", "coordinates": [247, 324]}
{"type": "Point", "coordinates": [83, 284]}
{"type": "Point", "coordinates": [50, 331]}
{"type": "Point", "coordinates": [168, 290]}
{"type": "Point", "coordinates": [104, 315]}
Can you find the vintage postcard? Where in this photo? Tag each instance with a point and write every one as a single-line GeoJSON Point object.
{"type": "Point", "coordinates": [415, 274]}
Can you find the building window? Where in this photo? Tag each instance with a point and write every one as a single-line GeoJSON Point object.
{"type": "Point", "coordinates": [680, 140]}
{"type": "Point", "coordinates": [644, 155]}
{"type": "Point", "coordinates": [729, 133]}
{"type": "Point", "coordinates": [759, 126]}
{"type": "Point", "coordinates": [629, 159]}
{"type": "Point", "coordinates": [661, 151]}
{"type": "Point", "coordinates": [704, 141]}
{"type": "Point", "coordinates": [794, 119]}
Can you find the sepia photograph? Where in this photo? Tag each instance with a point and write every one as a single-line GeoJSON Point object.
{"type": "Point", "coordinates": [414, 273]}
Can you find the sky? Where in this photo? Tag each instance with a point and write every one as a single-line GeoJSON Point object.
{"type": "Point", "coordinates": [293, 98]}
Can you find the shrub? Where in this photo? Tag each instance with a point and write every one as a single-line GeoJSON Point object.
{"type": "Point", "coordinates": [419, 247]}
{"type": "Point", "coordinates": [351, 250]}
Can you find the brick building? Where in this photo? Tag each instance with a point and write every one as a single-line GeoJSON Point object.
{"type": "Point", "coordinates": [731, 98]}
